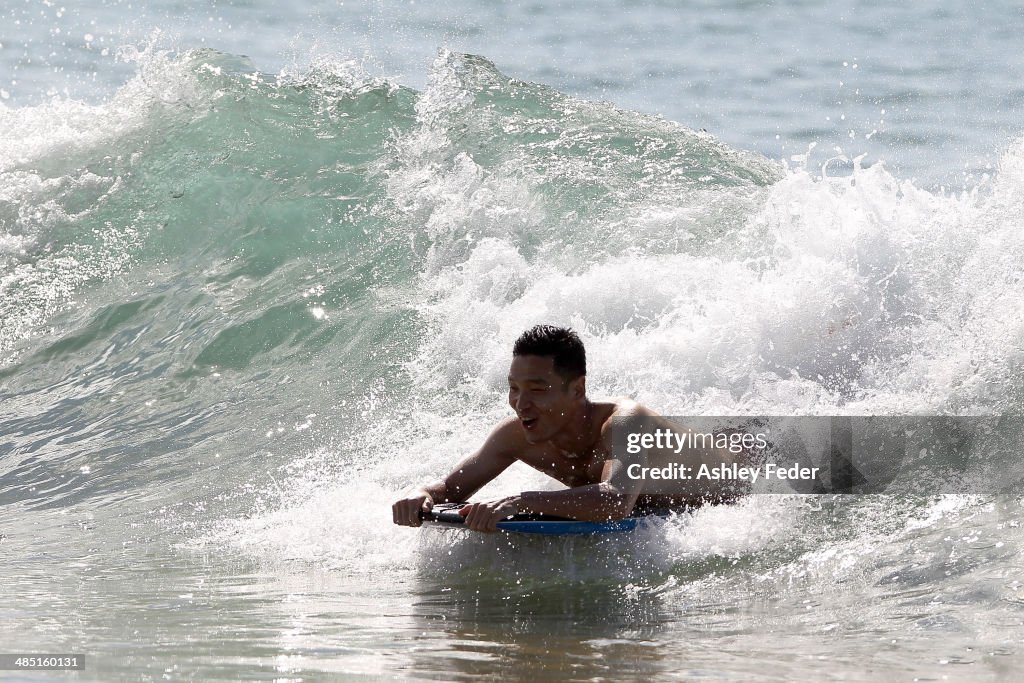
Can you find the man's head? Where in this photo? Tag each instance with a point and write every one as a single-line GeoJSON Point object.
{"type": "Point", "coordinates": [560, 343]}
{"type": "Point", "coordinates": [547, 380]}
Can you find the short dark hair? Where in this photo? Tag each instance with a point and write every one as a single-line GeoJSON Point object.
{"type": "Point", "coordinates": [561, 343]}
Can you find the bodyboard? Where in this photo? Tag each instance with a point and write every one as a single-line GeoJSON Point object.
{"type": "Point", "coordinates": [447, 515]}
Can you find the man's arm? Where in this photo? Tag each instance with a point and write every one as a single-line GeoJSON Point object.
{"type": "Point", "coordinates": [468, 477]}
{"type": "Point", "coordinates": [611, 498]}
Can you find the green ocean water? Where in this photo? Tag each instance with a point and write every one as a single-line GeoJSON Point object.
{"type": "Point", "coordinates": [182, 228]}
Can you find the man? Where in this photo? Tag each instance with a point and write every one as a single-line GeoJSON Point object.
{"type": "Point", "coordinates": [559, 431]}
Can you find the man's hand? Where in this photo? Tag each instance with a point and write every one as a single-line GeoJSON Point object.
{"type": "Point", "coordinates": [485, 516]}
{"type": "Point", "coordinates": [406, 512]}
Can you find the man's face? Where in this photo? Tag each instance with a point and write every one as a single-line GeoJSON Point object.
{"type": "Point", "coordinates": [543, 401]}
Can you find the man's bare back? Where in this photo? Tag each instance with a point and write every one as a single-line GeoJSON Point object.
{"type": "Point", "coordinates": [598, 462]}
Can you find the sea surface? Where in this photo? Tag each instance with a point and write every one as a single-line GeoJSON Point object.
{"type": "Point", "coordinates": [261, 266]}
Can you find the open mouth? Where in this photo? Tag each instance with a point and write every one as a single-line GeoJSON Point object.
{"type": "Point", "coordinates": [528, 422]}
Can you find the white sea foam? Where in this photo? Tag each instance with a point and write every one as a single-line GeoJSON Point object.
{"type": "Point", "coordinates": [860, 294]}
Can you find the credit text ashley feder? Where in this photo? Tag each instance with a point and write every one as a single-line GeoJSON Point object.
{"type": "Point", "coordinates": [665, 439]}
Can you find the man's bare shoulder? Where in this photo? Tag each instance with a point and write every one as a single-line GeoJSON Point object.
{"type": "Point", "coordinates": [506, 439]}
{"type": "Point", "coordinates": [613, 412]}
{"type": "Point", "coordinates": [621, 407]}
{"type": "Point", "coordinates": [628, 408]}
